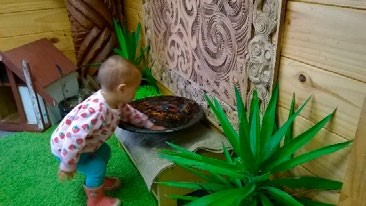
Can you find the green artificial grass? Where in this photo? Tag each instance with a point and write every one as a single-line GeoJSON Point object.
{"type": "Point", "coordinates": [28, 174]}
{"type": "Point", "coordinates": [147, 91]}
{"type": "Point", "coordinates": [28, 171]}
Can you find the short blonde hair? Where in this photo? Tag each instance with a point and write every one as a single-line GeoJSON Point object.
{"type": "Point", "coordinates": [116, 70]}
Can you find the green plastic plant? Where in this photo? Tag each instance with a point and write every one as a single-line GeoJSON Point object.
{"type": "Point", "coordinates": [128, 48]}
{"type": "Point", "coordinates": [129, 43]}
{"type": "Point", "coordinates": [249, 174]}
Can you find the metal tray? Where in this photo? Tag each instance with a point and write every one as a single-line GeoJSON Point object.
{"type": "Point", "coordinates": [173, 112]}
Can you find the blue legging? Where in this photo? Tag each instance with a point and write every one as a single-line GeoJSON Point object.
{"type": "Point", "coordinates": [94, 166]}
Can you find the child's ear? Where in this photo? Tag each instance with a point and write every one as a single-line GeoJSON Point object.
{"type": "Point", "coordinates": [121, 87]}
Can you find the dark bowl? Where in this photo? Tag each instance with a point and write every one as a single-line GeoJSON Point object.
{"type": "Point", "coordinates": [173, 112]}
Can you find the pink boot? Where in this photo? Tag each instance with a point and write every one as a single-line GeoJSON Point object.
{"type": "Point", "coordinates": [96, 197]}
{"type": "Point", "coordinates": [111, 183]}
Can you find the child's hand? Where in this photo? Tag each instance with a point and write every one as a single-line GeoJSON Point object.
{"type": "Point", "coordinates": [63, 175]}
{"type": "Point", "coordinates": [156, 127]}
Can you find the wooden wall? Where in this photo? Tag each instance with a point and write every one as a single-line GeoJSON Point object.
{"type": "Point", "coordinates": [133, 13]}
{"type": "Point", "coordinates": [23, 21]}
{"type": "Point", "coordinates": [324, 43]}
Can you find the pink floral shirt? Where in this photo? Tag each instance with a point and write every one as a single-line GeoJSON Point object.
{"type": "Point", "coordinates": [88, 126]}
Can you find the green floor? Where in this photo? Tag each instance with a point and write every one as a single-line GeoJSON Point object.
{"type": "Point", "coordinates": [28, 172]}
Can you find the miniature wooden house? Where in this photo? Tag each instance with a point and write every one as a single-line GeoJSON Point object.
{"type": "Point", "coordinates": [33, 79]}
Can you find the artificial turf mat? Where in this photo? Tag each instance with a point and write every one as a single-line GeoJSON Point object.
{"type": "Point", "coordinates": [28, 171]}
{"type": "Point", "coordinates": [28, 174]}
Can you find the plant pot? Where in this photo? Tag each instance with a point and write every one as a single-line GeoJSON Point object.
{"type": "Point", "coordinates": [65, 106]}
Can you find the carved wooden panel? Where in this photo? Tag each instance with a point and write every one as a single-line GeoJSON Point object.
{"type": "Point", "coordinates": [92, 28]}
{"type": "Point", "coordinates": [211, 46]}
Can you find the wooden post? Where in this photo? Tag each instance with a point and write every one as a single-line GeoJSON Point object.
{"type": "Point", "coordinates": [354, 185]}
{"type": "Point", "coordinates": [33, 95]}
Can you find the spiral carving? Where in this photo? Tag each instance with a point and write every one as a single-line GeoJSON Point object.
{"type": "Point", "coordinates": [92, 28]}
{"type": "Point", "coordinates": [201, 46]}
{"type": "Point", "coordinates": [203, 41]}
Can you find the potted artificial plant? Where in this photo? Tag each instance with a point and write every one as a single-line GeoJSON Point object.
{"type": "Point", "coordinates": [260, 151]}
{"type": "Point", "coordinates": [129, 49]}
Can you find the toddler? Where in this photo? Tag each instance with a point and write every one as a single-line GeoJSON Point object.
{"type": "Point", "coordinates": [79, 140]}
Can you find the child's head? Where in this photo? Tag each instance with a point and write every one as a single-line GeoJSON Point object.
{"type": "Point", "coordinates": [119, 78]}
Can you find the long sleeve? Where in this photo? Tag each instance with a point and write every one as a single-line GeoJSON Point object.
{"type": "Point", "coordinates": [135, 117]}
{"type": "Point", "coordinates": [75, 139]}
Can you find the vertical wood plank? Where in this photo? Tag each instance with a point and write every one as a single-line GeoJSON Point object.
{"type": "Point", "coordinates": [33, 95]}
{"type": "Point", "coordinates": [354, 189]}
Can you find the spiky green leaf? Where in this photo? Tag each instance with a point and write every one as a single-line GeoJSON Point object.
{"type": "Point", "coordinates": [204, 163]}
{"type": "Point", "coordinates": [295, 144]}
{"type": "Point", "coordinates": [261, 177]}
{"type": "Point", "coordinates": [229, 131]}
{"type": "Point", "coordinates": [132, 46]}
{"type": "Point", "coordinates": [265, 200]}
{"type": "Point", "coordinates": [197, 186]}
{"type": "Point", "coordinates": [282, 197]}
{"type": "Point", "coordinates": [288, 135]}
{"type": "Point", "coordinates": [183, 197]}
{"type": "Point", "coordinates": [121, 39]}
{"type": "Point", "coordinates": [272, 145]}
{"type": "Point", "coordinates": [230, 160]}
{"type": "Point", "coordinates": [246, 153]}
{"type": "Point", "coordinates": [316, 183]}
{"type": "Point", "coordinates": [207, 177]}
{"type": "Point", "coordinates": [255, 128]}
{"type": "Point", "coordinates": [310, 156]}
{"type": "Point", "coordinates": [254, 101]}
{"type": "Point", "coordinates": [224, 198]}
{"type": "Point", "coordinates": [269, 120]}
{"type": "Point", "coordinates": [227, 154]}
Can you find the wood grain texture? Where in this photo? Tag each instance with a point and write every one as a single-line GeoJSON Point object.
{"type": "Point", "coordinates": [42, 57]}
{"type": "Point", "coordinates": [328, 37]}
{"type": "Point", "coordinates": [61, 39]}
{"type": "Point", "coordinates": [133, 17]}
{"type": "Point", "coordinates": [330, 91]}
{"type": "Point", "coordinates": [135, 4]}
{"type": "Point", "coordinates": [354, 188]}
{"type": "Point", "coordinates": [322, 196]}
{"type": "Point", "coordinates": [359, 4]}
{"type": "Point", "coordinates": [70, 55]}
{"type": "Point", "coordinates": [33, 22]}
{"type": "Point", "coordinates": [11, 6]}
{"type": "Point", "coordinates": [331, 166]}
{"type": "Point", "coordinates": [25, 21]}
